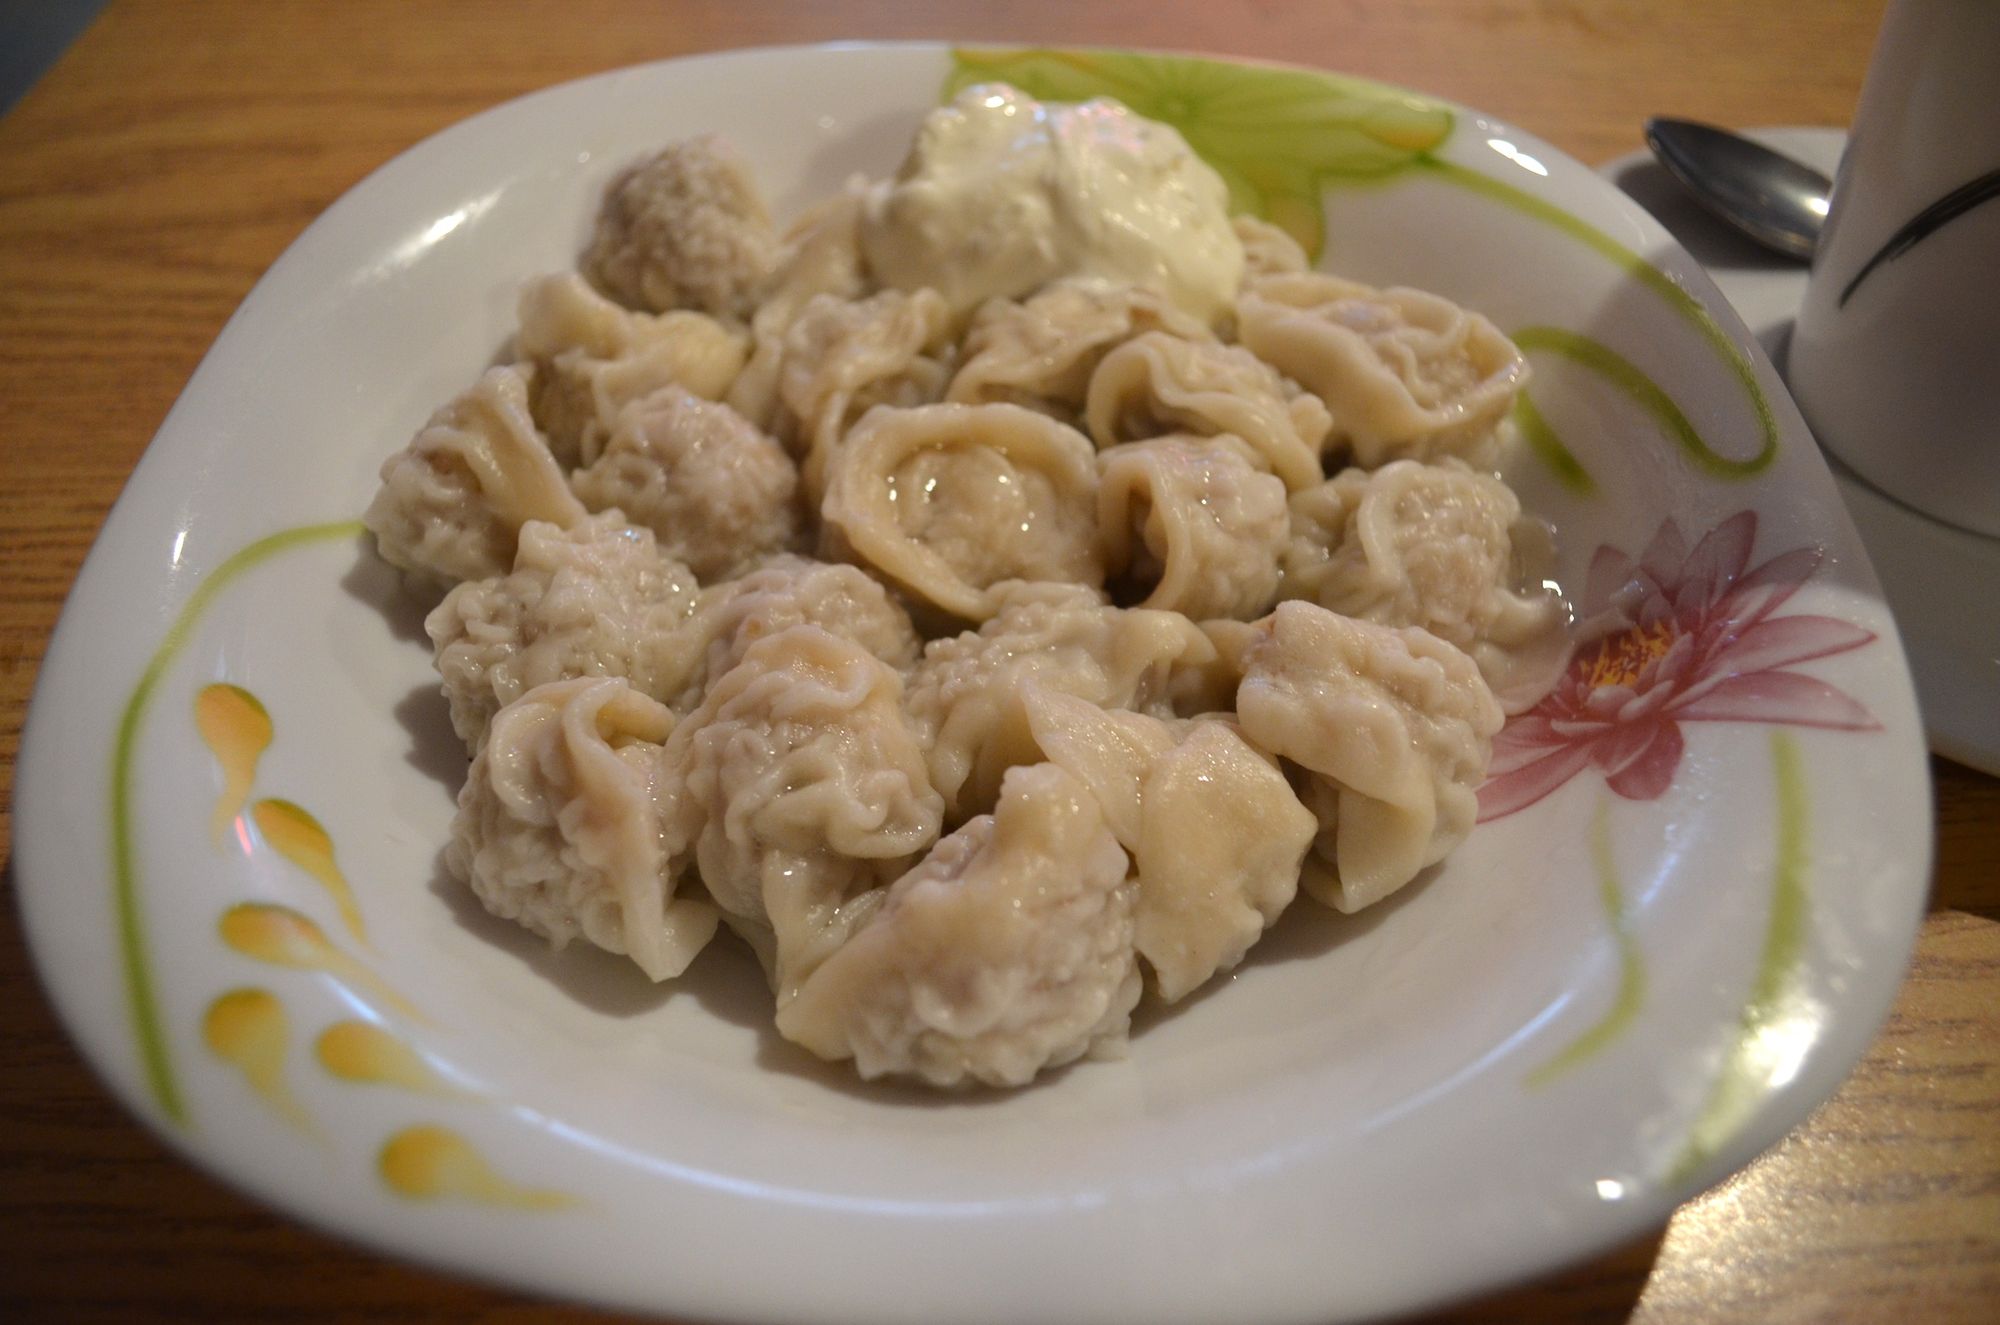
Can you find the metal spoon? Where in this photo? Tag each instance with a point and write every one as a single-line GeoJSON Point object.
{"type": "Point", "coordinates": [1775, 200]}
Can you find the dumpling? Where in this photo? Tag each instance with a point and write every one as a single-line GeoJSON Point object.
{"type": "Point", "coordinates": [594, 358]}
{"type": "Point", "coordinates": [1394, 728]}
{"type": "Point", "coordinates": [798, 787]}
{"type": "Point", "coordinates": [843, 356]}
{"type": "Point", "coordinates": [1194, 524]}
{"type": "Point", "coordinates": [1404, 373]}
{"type": "Point", "coordinates": [822, 256]}
{"type": "Point", "coordinates": [1267, 249]}
{"type": "Point", "coordinates": [966, 698]}
{"type": "Point", "coordinates": [1205, 681]}
{"type": "Point", "coordinates": [561, 314]}
{"type": "Point", "coordinates": [453, 501]}
{"type": "Point", "coordinates": [685, 228]}
{"type": "Point", "coordinates": [1215, 832]}
{"type": "Point", "coordinates": [1041, 352]}
{"type": "Point", "coordinates": [822, 253]}
{"type": "Point", "coordinates": [783, 592]}
{"type": "Point", "coordinates": [1155, 384]}
{"type": "Point", "coordinates": [597, 599]}
{"type": "Point", "coordinates": [949, 500]}
{"type": "Point", "coordinates": [717, 493]}
{"type": "Point", "coordinates": [1006, 951]}
{"type": "Point", "coordinates": [1412, 544]}
{"type": "Point", "coordinates": [558, 827]}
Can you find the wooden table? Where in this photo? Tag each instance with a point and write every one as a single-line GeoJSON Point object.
{"type": "Point", "coordinates": [178, 148]}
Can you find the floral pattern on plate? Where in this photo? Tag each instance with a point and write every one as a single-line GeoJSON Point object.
{"type": "Point", "coordinates": [1689, 635]}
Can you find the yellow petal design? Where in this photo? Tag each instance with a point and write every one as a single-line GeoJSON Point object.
{"type": "Point", "coordinates": [141, 998]}
{"type": "Point", "coordinates": [246, 1027]}
{"type": "Point", "coordinates": [283, 937]}
{"type": "Point", "coordinates": [364, 1053]}
{"type": "Point", "coordinates": [298, 837]}
{"type": "Point", "coordinates": [428, 1163]}
{"type": "Point", "coordinates": [237, 731]}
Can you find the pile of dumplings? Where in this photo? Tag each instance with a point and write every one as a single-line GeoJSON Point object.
{"type": "Point", "coordinates": [979, 671]}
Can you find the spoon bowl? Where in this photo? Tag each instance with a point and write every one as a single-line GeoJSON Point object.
{"type": "Point", "coordinates": [1779, 202]}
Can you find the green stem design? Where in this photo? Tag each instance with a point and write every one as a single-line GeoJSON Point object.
{"type": "Point", "coordinates": [1653, 279]}
{"type": "Point", "coordinates": [1631, 963]}
{"type": "Point", "coordinates": [1628, 377]}
{"type": "Point", "coordinates": [1761, 1047]}
{"type": "Point", "coordinates": [140, 998]}
{"type": "Point", "coordinates": [1542, 440]}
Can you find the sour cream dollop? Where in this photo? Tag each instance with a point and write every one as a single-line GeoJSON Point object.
{"type": "Point", "coordinates": [1001, 194]}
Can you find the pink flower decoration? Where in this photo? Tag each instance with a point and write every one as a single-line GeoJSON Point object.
{"type": "Point", "coordinates": [1693, 637]}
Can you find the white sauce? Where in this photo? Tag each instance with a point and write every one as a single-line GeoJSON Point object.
{"type": "Point", "coordinates": [1001, 194]}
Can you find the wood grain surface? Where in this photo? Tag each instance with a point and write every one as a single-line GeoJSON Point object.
{"type": "Point", "coordinates": [177, 149]}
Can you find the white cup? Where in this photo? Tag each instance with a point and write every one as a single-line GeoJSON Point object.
{"type": "Point", "coordinates": [1896, 356]}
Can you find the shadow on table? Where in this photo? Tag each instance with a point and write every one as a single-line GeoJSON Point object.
{"type": "Point", "coordinates": [1965, 878]}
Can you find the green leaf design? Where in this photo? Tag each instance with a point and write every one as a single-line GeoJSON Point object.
{"type": "Point", "coordinates": [1277, 136]}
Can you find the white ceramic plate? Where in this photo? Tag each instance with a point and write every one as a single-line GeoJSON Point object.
{"type": "Point", "coordinates": [1607, 1000]}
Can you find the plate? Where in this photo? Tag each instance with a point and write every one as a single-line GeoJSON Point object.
{"type": "Point", "coordinates": [1936, 576]}
{"type": "Point", "coordinates": [1683, 922]}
